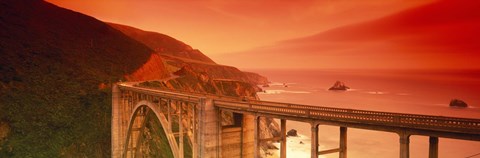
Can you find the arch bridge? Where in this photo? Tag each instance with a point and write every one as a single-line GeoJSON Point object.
{"type": "Point", "coordinates": [191, 124]}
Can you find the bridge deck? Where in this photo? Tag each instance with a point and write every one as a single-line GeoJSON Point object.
{"type": "Point", "coordinates": [451, 127]}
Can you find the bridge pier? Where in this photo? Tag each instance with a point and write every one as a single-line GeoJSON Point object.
{"type": "Point", "coordinates": [283, 141]}
{"type": "Point", "coordinates": [404, 145]}
{"type": "Point", "coordinates": [248, 136]}
{"type": "Point", "coordinates": [256, 137]}
{"type": "Point", "coordinates": [343, 142]}
{"type": "Point", "coordinates": [208, 143]}
{"type": "Point", "coordinates": [433, 147]}
{"type": "Point", "coordinates": [314, 141]}
{"type": "Point", "coordinates": [117, 136]}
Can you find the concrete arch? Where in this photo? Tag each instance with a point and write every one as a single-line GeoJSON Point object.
{"type": "Point", "coordinates": [162, 119]}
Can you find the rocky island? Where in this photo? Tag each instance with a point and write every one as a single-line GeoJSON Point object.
{"type": "Point", "coordinates": [339, 86]}
{"type": "Point", "coordinates": [457, 103]}
{"type": "Point", "coordinates": [292, 133]}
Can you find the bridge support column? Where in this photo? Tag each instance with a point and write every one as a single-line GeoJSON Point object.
{"type": "Point", "coordinates": [314, 148]}
{"type": "Point", "coordinates": [219, 132]}
{"type": "Point", "coordinates": [180, 130]}
{"type": "Point", "coordinates": [117, 137]}
{"type": "Point", "coordinates": [169, 114]}
{"type": "Point", "coordinates": [208, 143]}
{"type": "Point", "coordinates": [404, 145]}
{"type": "Point", "coordinates": [256, 151]}
{"type": "Point", "coordinates": [283, 142]}
{"type": "Point", "coordinates": [433, 147]}
{"type": "Point", "coordinates": [248, 136]}
{"type": "Point", "coordinates": [194, 134]}
{"type": "Point", "coordinates": [343, 142]}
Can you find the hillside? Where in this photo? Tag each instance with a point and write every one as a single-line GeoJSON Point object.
{"type": "Point", "coordinates": [56, 66]}
{"type": "Point", "coordinates": [177, 54]}
{"type": "Point", "coordinates": [163, 44]}
{"type": "Point", "coordinates": [52, 61]}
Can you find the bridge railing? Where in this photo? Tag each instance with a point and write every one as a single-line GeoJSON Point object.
{"type": "Point", "coordinates": [163, 93]}
{"type": "Point", "coordinates": [357, 116]}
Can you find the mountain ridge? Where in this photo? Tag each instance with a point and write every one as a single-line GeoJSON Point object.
{"type": "Point", "coordinates": [162, 44]}
{"type": "Point", "coordinates": [181, 55]}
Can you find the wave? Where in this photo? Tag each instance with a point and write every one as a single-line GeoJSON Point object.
{"type": "Point", "coordinates": [439, 104]}
{"type": "Point", "coordinates": [296, 147]}
{"type": "Point", "coordinates": [403, 94]}
{"type": "Point", "coordinates": [280, 84]}
{"type": "Point", "coordinates": [448, 105]}
{"type": "Point", "coordinates": [279, 91]}
{"type": "Point", "coordinates": [376, 92]}
{"type": "Point", "coordinates": [352, 90]}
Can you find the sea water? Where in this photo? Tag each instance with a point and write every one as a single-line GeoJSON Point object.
{"type": "Point", "coordinates": [404, 91]}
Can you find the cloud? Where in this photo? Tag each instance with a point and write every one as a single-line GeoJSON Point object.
{"type": "Point", "coordinates": [443, 34]}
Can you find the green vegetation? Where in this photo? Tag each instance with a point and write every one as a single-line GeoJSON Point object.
{"type": "Point", "coordinates": [156, 139]}
{"type": "Point", "coordinates": [55, 115]}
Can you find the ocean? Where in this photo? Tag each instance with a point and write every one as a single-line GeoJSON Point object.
{"type": "Point", "coordinates": [405, 91]}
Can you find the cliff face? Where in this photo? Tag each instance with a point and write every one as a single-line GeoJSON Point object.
{"type": "Point", "coordinates": [215, 71]}
{"type": "Point", "coordinates": [153, 69]}
{"type": "Point", "coordinates": [51, 63]}
{"type": "Point", "coordinates": [188, 80]}
{"type": "Point", "coordinates": [256, 78]}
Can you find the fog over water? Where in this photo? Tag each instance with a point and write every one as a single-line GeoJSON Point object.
{"type": "Point", "coordinates": [415, 92]}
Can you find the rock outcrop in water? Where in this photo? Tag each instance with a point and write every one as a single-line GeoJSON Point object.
{"type": "Point", "coordinates": [292, 133]}
{"type": "Point", "coordinates": [458, 103]}
{"type": "Point", "coordinates": [339, 86]}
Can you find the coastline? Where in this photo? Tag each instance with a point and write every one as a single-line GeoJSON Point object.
{"type": "Point", "coordinates": [425, 95]}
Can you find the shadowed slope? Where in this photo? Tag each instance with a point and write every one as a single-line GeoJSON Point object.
{"type": "Point", "coordinates": [163, 44]}
{"type": "Point", "coordinates": [52, 61]}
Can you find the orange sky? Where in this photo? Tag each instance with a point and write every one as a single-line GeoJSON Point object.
{"type": "Point", "coordinates": [439, 35]}
{"type": "Point", "coordinates": [366, 34]}
{"type": "Point", "coordinates": [225, 26]}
